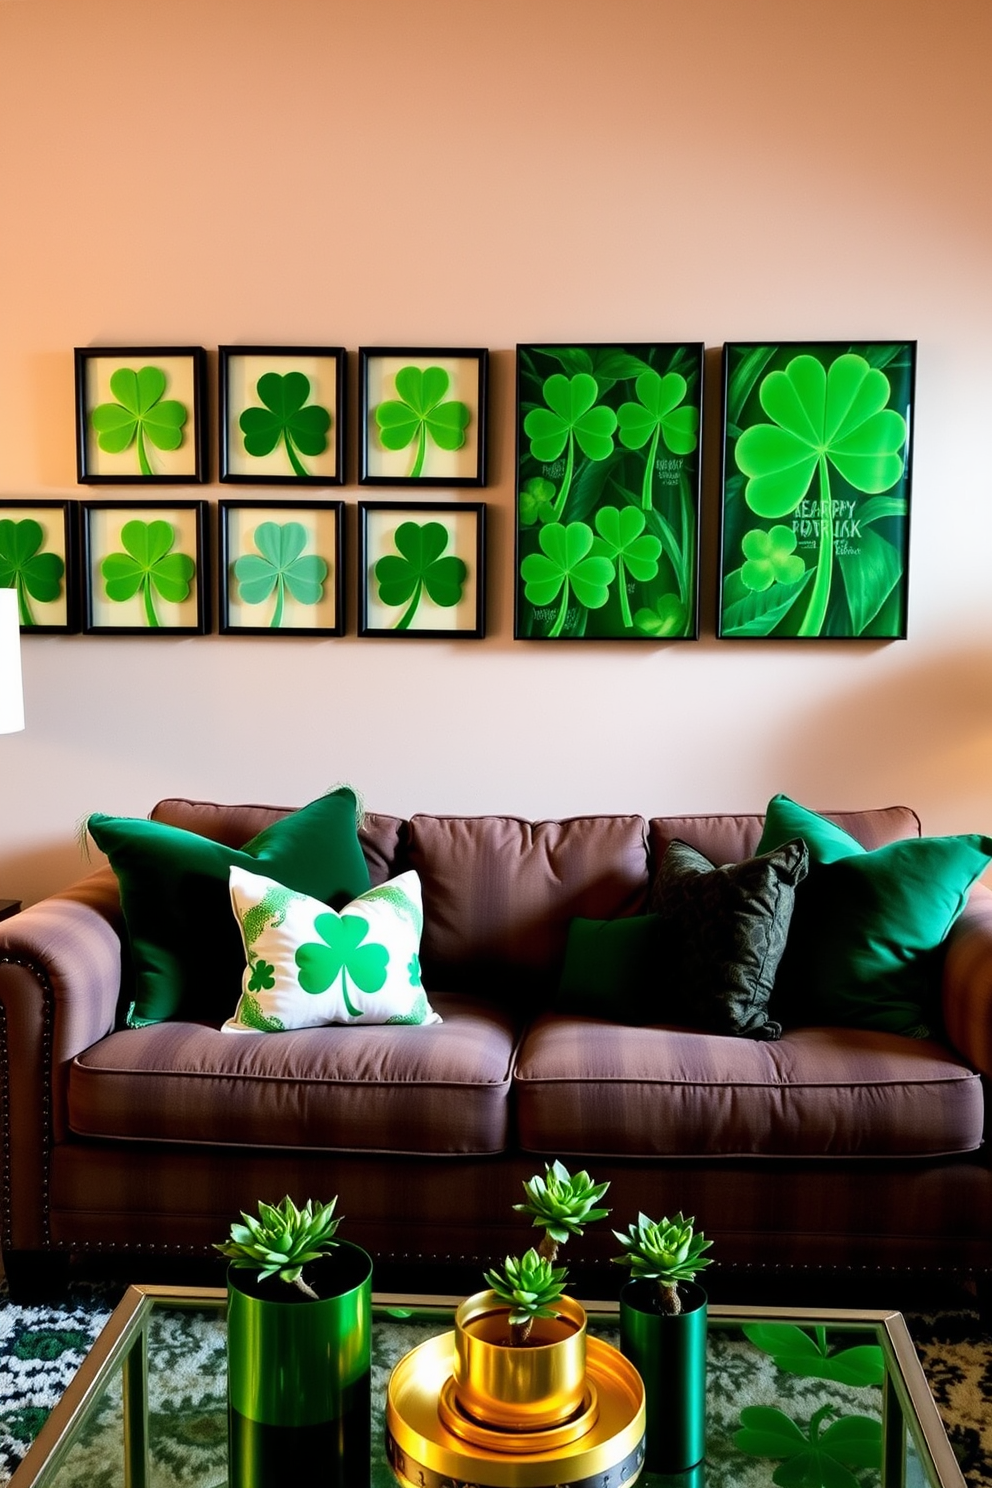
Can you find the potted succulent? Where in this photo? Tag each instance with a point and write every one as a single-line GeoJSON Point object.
{"type": "Point", "coordinates": [520, 1347]}
{"type": "Point", "coordinates": [299, 1339]}
{"type": "Point", "coordinates": [663, 1333]}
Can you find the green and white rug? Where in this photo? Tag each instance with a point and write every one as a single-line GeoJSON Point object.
{"type": "Point", "coordinates": [41, 1348]}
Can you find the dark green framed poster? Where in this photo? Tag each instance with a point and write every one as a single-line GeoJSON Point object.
{"type": "Point", "coordinates": [816, 489]}
{"type": "Point", "coordinates": [607, 508]}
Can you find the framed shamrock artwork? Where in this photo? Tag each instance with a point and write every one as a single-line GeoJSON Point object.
{"type": "Point", "coordinates": [140, 415]}
{"type": "Point", "coordinates": [145, 568]}
{"type": "Point", "coordinates": [607, 498]}
{"type": "Point", "coordinates": [282, 414]}
{"type": "Point", "coordinates": [421, 569]}
{"type": "Point", "coordinates": [281, 568]}
{"type": "Point", "coordinates": [38, 558]}
{"type": "Point", "coordinates": [422, 416]}
{"type": "Point", "coordinates": [817, 470]}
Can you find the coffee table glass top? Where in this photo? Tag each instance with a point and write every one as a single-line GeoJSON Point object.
{"type": "Point", "coordinates": [827, 1397]}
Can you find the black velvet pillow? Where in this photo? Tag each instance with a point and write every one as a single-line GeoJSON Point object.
{"type": "Point", "coordinates": [723, 933]}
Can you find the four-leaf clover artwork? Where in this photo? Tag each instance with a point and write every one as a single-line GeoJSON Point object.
{"type": "Point", "coordinates": [816, 489]}
{"type": "Point", "coordinates": [608, 491]}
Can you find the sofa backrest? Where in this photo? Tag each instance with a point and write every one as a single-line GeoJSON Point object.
{"type": "Point", "coordinates": [501, 891]}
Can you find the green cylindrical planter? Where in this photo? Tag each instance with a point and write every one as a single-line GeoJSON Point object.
{"type": "Point", "coordinates": [299, 1374]}
{"type": "Point", "coordinates": [669, 1352]}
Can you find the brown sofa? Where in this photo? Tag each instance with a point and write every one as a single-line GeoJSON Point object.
{"type": "Point", "coordinates": [834, 1147]}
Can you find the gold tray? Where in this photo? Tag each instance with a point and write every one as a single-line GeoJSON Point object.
{"type": "Point", "coordinates": [423, 1453]}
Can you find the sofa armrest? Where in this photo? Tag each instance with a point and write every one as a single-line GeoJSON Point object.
{"type": "Point", "coordinates": [60, 978]}
{"type": "Point", "coordinates": [967, 986]}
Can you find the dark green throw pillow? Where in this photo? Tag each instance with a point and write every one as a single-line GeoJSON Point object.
{"type": "Point", "coordinates": [724, 934]}
{"type": "Point", "coordinates": [185, 945]}
{"type": "Point", "coordinates": [610, 969]}
{"type": "Point", "coordinates": [867, 939]}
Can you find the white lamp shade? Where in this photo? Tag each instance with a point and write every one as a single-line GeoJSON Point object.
{"type": "Point", "coordinates": [11, 692]}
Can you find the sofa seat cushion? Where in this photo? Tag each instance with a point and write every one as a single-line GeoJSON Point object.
{"type": "Point", "coordinates": [585, 1085]}
{"type": "Point", "coordinates": [441, 1088]}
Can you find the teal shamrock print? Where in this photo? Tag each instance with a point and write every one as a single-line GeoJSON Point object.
{"type": "Point", "coordinates": [149, 566]}
{"type": "Point", "coordinates": [25, 568]}
{"type": "Point", "coordinates": [420, 411]}
{"type": "Point", "coordinates": [420, 566]}
{"type": "Point", "coordinates": [280, 565]}
{"type": "Point", "coordinates": [287, 418]}
{"type": "Point", "coordinates": [139, 414]}
{"type": "Point", "coordinates": [343, 955]}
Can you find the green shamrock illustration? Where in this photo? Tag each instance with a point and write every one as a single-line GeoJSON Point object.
{"type": "Point", "coordinates": [659, 414]}
{"type": "Point", "coordinates": [571, 416]}
{"type": "Point", "coordinates": [263, 976]}
{"type": "Point", "coordinates": [342, 955]}
{"type": "Point", "coordinates": [812, 1459]}
{"type": "Point", "coordinates": [797, 1351]}
{"type": "Point", "coordinates": [633, 551]}
{"type": "Point", "coordinates": [303, 430]}
{"type": "Point", "coordinates": [771, 558]}
{"type": "Point", "coordinates": [419, 568]}
{"type": "Point", "coordinates": [139, 413]}
{"type": "Point", "coordinates": [667, 617]}
{"type": "Point", "coordinates": [566, 565]}
{"type": "Point", "coordinates": [537, 498]}
{"type": "Point", "coordinates": [420, 410]}
{"type": "Point", "coordinates": [24, 568]}
{"type": "Point", "coordinates": [282, 565]}
{"type": "Point", "coordinates": [821, 417]}
{"type": "Point", "coordinates": [148, 564]}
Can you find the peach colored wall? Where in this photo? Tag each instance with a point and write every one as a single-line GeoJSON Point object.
{"type": "Point", "coordinates": [476, 173]}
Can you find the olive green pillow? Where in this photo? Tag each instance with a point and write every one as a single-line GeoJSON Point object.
{"type": "Point", "coordinates": [610, 969]}
{"type": "Point", "coordinates": [185, 945]}
{"type": "Point", "coordinates": [867, 939]}
{"type": "Point", "coordinates": [724, 931]}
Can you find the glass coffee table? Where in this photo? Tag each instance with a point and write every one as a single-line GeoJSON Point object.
{"type": "Point", "coordinates": [817, 1397]}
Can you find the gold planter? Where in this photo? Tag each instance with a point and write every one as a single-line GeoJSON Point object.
{"type": "Point", "coordinates": [529, 1388]}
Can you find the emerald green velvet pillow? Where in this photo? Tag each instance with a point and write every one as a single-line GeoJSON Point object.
{"type": "Point", "coordinates": [725, 931]}
{"type": "Point", "coordinates": [185, 944]}
{"type": "Point", "coordinates": [610, 969]}
{"type": "Point", "coordinates": [865, 947]}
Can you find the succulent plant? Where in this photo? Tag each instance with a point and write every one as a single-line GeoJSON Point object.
{"type": "Point", "coordinates": [561, 1205]}
{"type": "Point", "coordinates": [282, 1240]}
{"type": "Point", "coordinates": [530, 1285]}
{"type": "Point", "coordinates": [667, 1252]}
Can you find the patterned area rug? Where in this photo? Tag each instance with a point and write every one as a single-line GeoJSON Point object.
{"type": "Point", "coordinates": [41, 1347]}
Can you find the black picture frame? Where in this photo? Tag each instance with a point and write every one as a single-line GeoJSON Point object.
{"type": "Point", "coordinates": [608, 489]}
{"type": "Point", "coordinates": [102, 535]}
{"type": "Point", "coordinates": [431, 464]}
{"type": "Point", "coordinates": [278, 595]}
{"type": "Point", "coordinates": [27, 563]}
{"type": "Point", "coordinates": [419, 613]}
{"type": "Point", "coordinates": [180, 372]}
{"type": "Point", "coordinates": [815, 490]}
{"type": "Point", "coordinates": [240, 369]}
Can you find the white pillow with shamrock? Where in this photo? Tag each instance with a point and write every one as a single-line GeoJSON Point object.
{"type": "Point", "coordinates": [309, 964]}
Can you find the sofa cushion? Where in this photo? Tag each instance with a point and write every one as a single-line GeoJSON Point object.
{"type": "Point", "coordinates": [866, 943]}
{"type": "Point", "coordinates": [611, 969]}
{"type": "Point", "coordinates": [724, 930]}
{"type": "Point", "coordinates": [184, 945]}
{"type": "Point", "coordinates": [309, 965]}
{"type": "Point", "coordinates": [441, 1088]}
{"type": "Point", "coordinates": [585, 1085]}
{"type": "Point", "coordinates": [500, 893]}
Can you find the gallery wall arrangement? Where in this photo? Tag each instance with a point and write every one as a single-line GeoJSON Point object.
{"type": "Point", "coordinates": [815, 488]}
